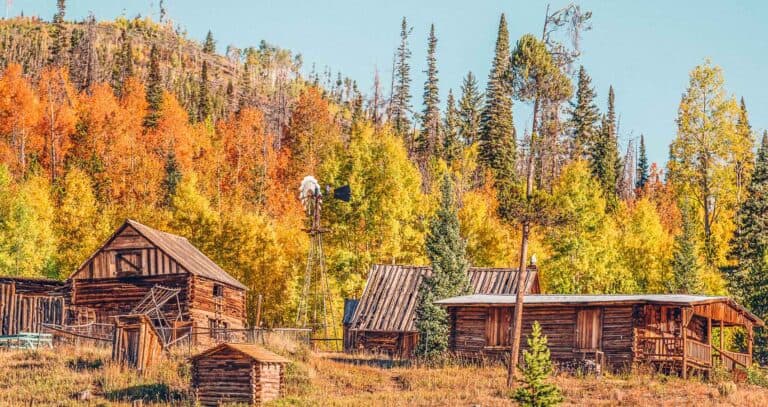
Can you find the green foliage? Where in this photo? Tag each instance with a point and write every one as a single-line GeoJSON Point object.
{"type": "Point", "coordinates": [428, 139]}
{"type": "Point", "coordinates": [172, 179]}
{"type": "Point", "coordinates": [584, 117]}
{"type": "Point", "coordinates": [209, 45]}
{"type": "Point", "coordinates": [535, 391]}
{"type": "Point", "coordinates": [470, 109]}
{"type": "Point", "coordinates": [497, 133]}
{"type": "Point", "coordinates": [204, 98]}
{"type": "Point", "coordinates": [605, 161]}
{"type": "Point", "coordinates": [685, 262]}
{"type": "Point", "coordinates": [644, 245]}
{"type": "Point", "coordinates": [154, 89]}
{"type": "Point", "coordinates": [642, 166]}
{"type": "Point", "coordinates": [401, 98]}
{"type": "Point", "coordinates": [451, 143]}
{"type": "Point", "coordinates": [446, 251]}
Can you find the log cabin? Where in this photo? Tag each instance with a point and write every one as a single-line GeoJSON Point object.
{"type": "Point", "coordinates": [383, 320]}
{"type": "Point", "coordinates": [114, 279]}
{"type": "Point", "coordinates": [27, 303]}
{"type": "Point", "coordinates": [237, 373]}
{"type": "Point", "coordinates": [673, 332]}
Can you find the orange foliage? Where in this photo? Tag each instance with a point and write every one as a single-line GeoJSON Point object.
{"type": "Point", "coordinates": [59, 116]}
{"type": "Point", "coordinates": [663, 196]}
{"type": "Point", "coordinates": [311, 132]}
{"type": "Point", "coordinates": [19, 113]}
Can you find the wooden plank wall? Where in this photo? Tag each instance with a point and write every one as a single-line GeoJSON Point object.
{"type": "Point", "coordinates": [25, 309]}
{"type": "Point", "coordinates": [225, 376]}
{"type": "Point", "coordinates": [269, 381]}
{"type": "Point", "coordinates": [135, 343]}
{"type": "Point", "coordinates": [103, 264]}
{"type": "Point", "coordinates": [109, 297]}
{"type": "Point", "coordinates": [203, 305]}
{"type": "Point", "coordinates": [558, 323]}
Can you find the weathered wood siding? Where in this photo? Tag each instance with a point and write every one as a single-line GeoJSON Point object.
{"type": "Point", "coordinates": [268, 383]}
{"type": "Point", "coordinates": [397, 344]}
{"type": "Point", "coordinates": [125, 249]}
{"type": "Point", "coordinates": [226, 376]}
{"type": "Point", "coordinates": [483, 332]}
{"type": "Point", "coordinates": [229, 308]}
{"type": "Point", "coordinates": [109, 297]}
{"type": "Point", "coordinates": [25, 305]}
{"type": "Point", "coordinates": [135, 343]}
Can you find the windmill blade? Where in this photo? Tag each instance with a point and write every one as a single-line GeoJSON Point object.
{"type": "Point", "coordinates": [343, 193]}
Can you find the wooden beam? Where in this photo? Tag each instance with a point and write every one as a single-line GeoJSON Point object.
{"type": "Point", "coordinates": [722, 347]}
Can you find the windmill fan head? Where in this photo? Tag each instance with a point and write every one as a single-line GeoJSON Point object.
{"type": "Point", "coordinates": [308, 190]}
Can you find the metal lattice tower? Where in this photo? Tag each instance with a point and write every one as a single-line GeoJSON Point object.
{"type": "Point", "coordinates": [315, 308]}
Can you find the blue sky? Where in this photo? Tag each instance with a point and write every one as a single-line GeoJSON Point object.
{"type": "Point", "coordinates": [645, 49]}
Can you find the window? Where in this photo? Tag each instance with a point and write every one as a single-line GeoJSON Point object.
{"type": "Point", "coordinates": [128, 263]}
{"type": "Point", "coordinates": [217, 328]}
{"type": "Point", "coordinates": [498, 326]}
{"type": "Point", "coordinates": [589, 329]}
{"type": "Point", "coordinates": [218, 290]}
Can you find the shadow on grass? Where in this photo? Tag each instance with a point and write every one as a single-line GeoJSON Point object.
{"type": "Point", "coordinates": [156, 392]}
{"type": "Point", "coordinates": [380, 363]}
{"type": "Point", "coordinates": [81, 363]}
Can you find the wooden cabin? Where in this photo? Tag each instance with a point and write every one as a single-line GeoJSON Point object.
{"type": "Point", "coordinates": [383, 320]}
{"type": "Point", "coordinates": [237, 373]}
{"type": "Point", "coordinates": [27, 303]}
{"type": "Point", "coordinates": [136, 343]}
{"type": "Point", "coordinates": [136, 258]}
{"type": "Point", "coordinates": [670, 332]}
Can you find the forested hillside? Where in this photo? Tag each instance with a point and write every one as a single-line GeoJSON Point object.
{"type": "Point", "coordinates": [101, 121]}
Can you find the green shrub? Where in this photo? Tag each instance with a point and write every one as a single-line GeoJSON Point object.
{"type": "Point", "coordinates": [535, 391]}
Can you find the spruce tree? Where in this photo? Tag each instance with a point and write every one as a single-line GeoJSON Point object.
{"type": "Point", "coordinates": [470, 110]}
{"type": "Point", "coordinates": [58, 45]}
{"type": "Point", "coordinates": [428, 139]}
{"type": "Point", "coordinates": [401, 97]}
{"type": "Point", "coordinates": [643, 168]}
{"type": "Point", "coordinates": [209, 46]}
{"type": "Point", "coordinates": [605, 162]}
{"type": "Point", "coordinates": [497, 134]}
{"type": "Point", "coordinates": [685, 262]}
{"type": "Point", "coordinates": [535, 391]}
{"type": "Point", "coordinates": [446, 251]}
{"type": "Point", "coordinates": [204, 99]}
{"type": "Point", "coordinates": [172, 178]}
{"type": "Point", "coordinates": [451, 143]}
{"type": "Point", "coordinates": [154, 89]}
{"type": "Point", "coordinates": [749, 247]}
{"type": "Point", "coordinates": [123, 63]}
{"type": "Point", "coordinates": [584, 117]}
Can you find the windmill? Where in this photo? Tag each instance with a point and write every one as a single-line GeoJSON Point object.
{"type": "Point", "coordinates": [315, 308]}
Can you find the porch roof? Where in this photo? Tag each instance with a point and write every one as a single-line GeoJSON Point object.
{"type": "Point", "coordinates": [488, 300]}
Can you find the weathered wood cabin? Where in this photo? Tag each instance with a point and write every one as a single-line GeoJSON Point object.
{"type": "Point", "coordinates": [670, 332]}
{"type": "Point", "coordinates": [237, 373]}
{"type": "Point", "coordinates": [136, 342]}
{"type": "Point", "coordinates": [383, 320]}
{"type": "Point", "coordinates": [27, 303]}
{"type": "Point", "coordinates": [136, 258]}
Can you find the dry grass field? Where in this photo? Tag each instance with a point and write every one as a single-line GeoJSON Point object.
{"type": "Point", "coordinates": [84, 376]}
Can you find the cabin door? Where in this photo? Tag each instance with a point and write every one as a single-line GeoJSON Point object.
{"type": "Point", "coordinates": [589, 329]}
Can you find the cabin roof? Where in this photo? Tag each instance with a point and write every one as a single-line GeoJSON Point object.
{"type": "Point", "coordinates": [598, 299]}
{"type": "Point", "coordinates": [181, 250]}
{"type": "Point", "coordinates": [255, 352]}
{"type": "Point", "coordinates": [388, 303]}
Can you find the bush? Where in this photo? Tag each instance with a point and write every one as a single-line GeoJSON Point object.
{"type": "Point", "coordinates": [535, 391]}
{"type": "Point", "coordinates": [757, 376]}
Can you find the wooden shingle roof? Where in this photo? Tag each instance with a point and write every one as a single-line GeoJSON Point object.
{"type": "Point", "coordinates": [254, 352]}
{"type": "Point", "coordinates": [388, 303]}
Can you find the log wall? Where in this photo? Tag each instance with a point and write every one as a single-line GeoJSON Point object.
{"type": "Point", "coordinates": [397, 344]}
{"type": "Point", "coordinates": [26, 304]}
{"type": "Point", "coordinates": [472, 327]}
{"type": "Point", "coordinates": [226, 376]}
{"type": "Point", "coordinates": [204, 306]}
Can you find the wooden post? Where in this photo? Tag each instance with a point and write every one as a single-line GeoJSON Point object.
{"type": "Point", "coordinates": [684, 334]}
{"type": "Point", "coordinates": [750, 338]}
{"type": "Point", "coordinates": [258, 312]}
{"type": "Point", "coordinates": [722, 348]}
{"type": "Point", "coordinates": [709, 338]}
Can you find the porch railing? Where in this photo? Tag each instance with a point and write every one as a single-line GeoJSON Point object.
{"type": "Point", "coordinates": [698, 352]}
{"type": "Point", "coordinates": [732, 360]}
{"type": "Point", "coordinates": [660, 349]}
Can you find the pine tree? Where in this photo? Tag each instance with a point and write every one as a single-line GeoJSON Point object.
{"type": "Point", "coordinates": [204, 98]}
{"type": "Point", "coordinates": [451, 142]}
{"type": "Point", "coordinates": [584, 117]}
{"type": "Point", "coordinates": [428, 139]}
{"type": "Point", "coordinates": [401, 97]}
{"type": "Point", "coordinates": [154, 89]}
{"type": "Point", "coordinates": [605, 161]}
{"type": "Point", "coordinates": [172, 178]}
{"type": "Point", "coordinates": [535, 391]}
{"type": "Point", "coordinates": [209, 46]}
{"type": "Point", "coordinates": [497, 134]}
{"type": "Point", "coordinates": [685, 262]}
{"type": "Point", "coordinates": [470, 109]}
{"type": "Point", "coordinates": [446, 251]}
{"type": "Point", "coordinates": [58, 45]}
{"type": "Point", "coordinates": [642, 165]}
{"type": "Point", "coordinates": [123, 64]}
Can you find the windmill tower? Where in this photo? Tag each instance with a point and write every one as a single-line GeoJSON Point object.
{"type": "Point", "coordinates": [315, 308]}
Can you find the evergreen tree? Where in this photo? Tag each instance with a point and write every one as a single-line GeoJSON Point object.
{"type": "Point", "coordinates": [685, 262]}
{"type": "Point", "coordinates": [497, 134]}
{"type": "Point", "coordinates": [584, 117]}
{"type": "Point", "coordinates": [58, 35]}
{"type": "Point", "coordinates": [154, 89]}
{"type": "Point", "coordinates": [446, 251]}
{"type": "Point", "coordinates": [209, 46]}
{"type": "Point", "coordinates": [204, 98]}
{"type": "Point", "coordinates": [452, 126]}
{"type": "Point", "coordinates": [428, 140]}
{"type": "Point", "coordinates": [642, 165]}
{"type": "Point", "coordinates": [123, 64]}
{"type": "Point", "coordinates": [172, 178]}
{"type": "Point", "coordinates": [605, 163]}
{"type": "Point", "coordinates": [470, 109]}
{"type": "Point", "coordinates": [535, 391]}
{"type": "Point", "coordinates": [401, 97]}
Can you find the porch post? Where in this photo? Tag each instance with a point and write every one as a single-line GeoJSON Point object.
{"type": "Point", "coordinates": [684, 334]}
{"type": "Point", "coordinates": [750, 338]}
{"type": "Point", "coordinates": [722, 348]}
{"type": "Point", "coordinates": [709, 338]}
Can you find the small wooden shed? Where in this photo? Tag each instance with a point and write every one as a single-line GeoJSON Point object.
{"type": "Point", "coordinates": [237, 373]}
{"type": "Point", "coordinates": [136, 343]}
